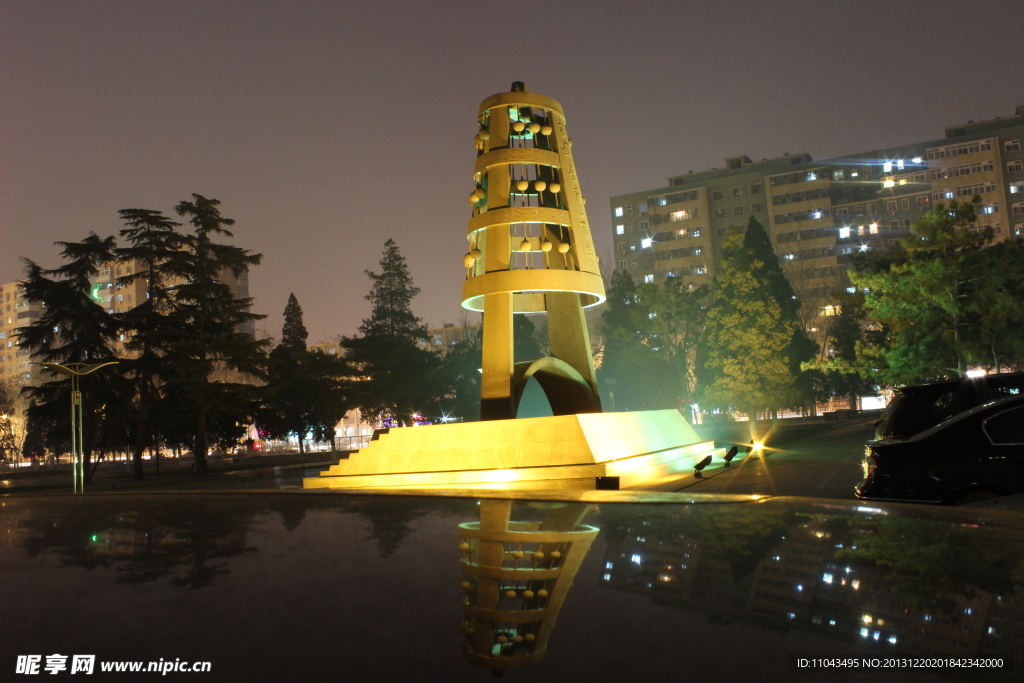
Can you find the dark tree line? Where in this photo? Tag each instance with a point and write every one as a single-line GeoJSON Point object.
{"type": "Point", "coordinates": [190, 377]}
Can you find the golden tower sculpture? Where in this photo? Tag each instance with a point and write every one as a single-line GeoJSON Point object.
{"type": "Point", "coordinates": [530, 250]}
{"type": "Point", "coordinates": [516, 578]}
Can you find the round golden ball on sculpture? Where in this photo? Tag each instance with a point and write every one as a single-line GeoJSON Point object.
{"type": "Point", "coordinates": [540, 186]}
{"type": "Point", "coordinates": [519, 126]}
{"type": "Point", "coordinates": [527, 594]}
{"type": "Point", "coordinates": [525, 245]}
{"type": "Point", "coordinates": [546, 246]}
{"type": "Point", "coordinates": [502, 639]}
{"type": "Point", "coordinates": [529, 637]}
{"type": "Point", "coordinates": [510, 594]}
{"type": "Point", "coordinates": [546, 130]}
{"type": "Point", "coordinates": [464, 546]}
{"type": "Point", "coordinates": [542, 593]}
{"type": "Point", "coordinates": [517, 639]}
{"type": "Point", "coordinates": [563, 248]}
{"type": "Point", "coordinates": [484, 134]}
{"type": "Point", "coordinates": [522, 185]}
{"type": "Point", "coordinates": [555, 554]}
{"type": "Point", "coordinates": [534, 128]}
{"type": "Point", "coordinates": [538, 555]}
{"type": "Point", "coordinates": [475, 253]}
{"type": "Point", "coordinates": [477, 139]}
{"type": "Point", "coordinates": [467, 261]}
{"type": "Point", "coordinates": [473, 200]}
{"type": "Point", "coordinates": [466, 585]}
{"type": "Point", "coordinates": [518, 554]}
{"type": "Point", "coordinates": [555, 187]}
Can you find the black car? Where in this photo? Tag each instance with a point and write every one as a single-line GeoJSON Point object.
{"type": "Point", "coordinates": [973, 455]}
{"type": "Point", "coordinates": [917, 408]}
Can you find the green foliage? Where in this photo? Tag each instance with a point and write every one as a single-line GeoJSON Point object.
{"type": "Point", "coordinates": [400, 377]}
{"type": "Point", "coordinates": [306, 391]}
{"type": "Point", "coordinates": [749, 335]}
{"type": "Point", "coordinates": [75, 328]}
{"type": "Point", "coordinates": [943, 300]}
{"type": "Point", "coordinates": [293, 334]}
{"type": "Point", "coordinates": [461, 370]}
{"type": "Point", "coordinates": [8, 442]}
{"type": "Point", "coordinates": [932, 566]}
{"type": "Point", "coordinates": [835, 374]}
{"type": "Point", "coordinates": [524, 334]}
{"type": "Point", "coordinates": [632, 369]}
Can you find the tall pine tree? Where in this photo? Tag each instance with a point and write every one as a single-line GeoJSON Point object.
{"type": "Point", "coordinates": [76, 327]}
{"type": "Point", "coordinates": [765, 266]}
{"type": "Point", "coordinates": [206, 358]}
{"type": "Point", "coordinates": [152, 241]}
{"type": "Point", "coordinates": [293, 334]}
{"type": "Point", "coordinates": [402, 378]}
{"type": "Point", "coordinates": [746, 337]}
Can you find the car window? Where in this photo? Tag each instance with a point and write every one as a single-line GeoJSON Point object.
{"type": "Point", "coordinates": [1006, 428]}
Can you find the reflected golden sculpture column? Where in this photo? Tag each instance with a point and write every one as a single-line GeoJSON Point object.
{"type": "Point", "coordinates": [530, 250]}
{"type": "Point", "coordinates": [517, 577]}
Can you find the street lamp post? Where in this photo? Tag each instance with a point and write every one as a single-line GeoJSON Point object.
{"type": "Point", "coordinates": [75, 371]}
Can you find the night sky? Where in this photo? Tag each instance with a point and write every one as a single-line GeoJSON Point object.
{"type": "Point", "coordinates": [327, 127]}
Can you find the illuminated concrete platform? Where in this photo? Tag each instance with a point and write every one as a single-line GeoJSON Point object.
{"type": "Point", "coordinates": [559, 452]}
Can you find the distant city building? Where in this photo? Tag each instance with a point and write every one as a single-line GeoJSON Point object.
{"type": "Point", "coordinates": [19, 312]}
{"type": "Point", "coordinates": [441, 339]}
{"type": "Point", "coordinates": [819, 213]}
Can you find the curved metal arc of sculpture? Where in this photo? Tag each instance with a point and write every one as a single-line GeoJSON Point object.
{"type": "Point", "coordinates": [567, 391]}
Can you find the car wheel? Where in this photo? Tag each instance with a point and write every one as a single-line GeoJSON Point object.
{"type": "Point", "coordinates": [975, 497]}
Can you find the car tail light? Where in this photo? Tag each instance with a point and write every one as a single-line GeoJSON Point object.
{"type": "Point", "coordinates": [870, 464]}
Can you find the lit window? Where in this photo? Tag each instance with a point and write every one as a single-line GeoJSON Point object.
{"type": "Point", "coordinates": [618, 212]}
{"type": "Point", "coordinates": [844, 233]}
{"type": "Point", "coordinates": [635, 559]}
{"type": "Point", "coordinates": [620, 229]}
{"type": "Point", "coordinates": [649, 278]}
{"type": "Point", "coordinates": [607, 577]}
{"type": "Point", "coordinates": [899, 164]}
{"type": "Point", "coordinates": [887, 167]}
{"type": "Point", "coordinates": [646, 242]}
{"type": "Point", "coordinates": [812, 176]}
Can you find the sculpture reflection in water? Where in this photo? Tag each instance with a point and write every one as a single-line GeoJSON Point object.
{"type": "Point", "coordinates": [517, 574]}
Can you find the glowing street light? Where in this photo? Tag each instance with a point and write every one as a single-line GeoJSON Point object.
{"type": "Point", "coordinates": [75, 371]}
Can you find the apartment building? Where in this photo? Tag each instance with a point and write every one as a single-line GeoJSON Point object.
{"type": "Point", "coordinates": [115, 298]}
{"type": "Point", "coordinates": [819, 213]}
